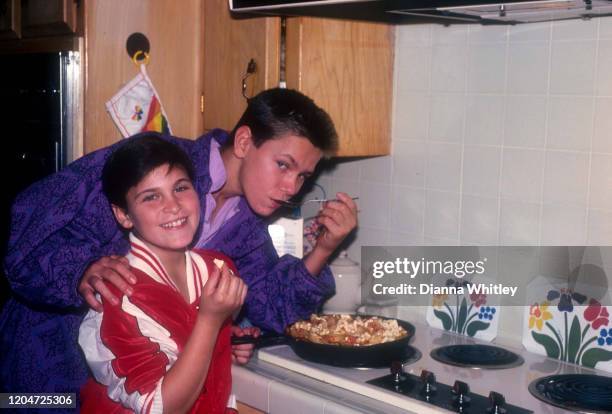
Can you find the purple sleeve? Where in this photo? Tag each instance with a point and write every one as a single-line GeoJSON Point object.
{"type": "Point", "coordinates": [281, 290]}
{"type": "Point", "coordinates": [63, 223]}
{"type": "Point", "coordinates": [58, 226]}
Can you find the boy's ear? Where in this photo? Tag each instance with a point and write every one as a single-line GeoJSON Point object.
{"type": "Point", "coordinates": [122, 217]}
{"type": "Point", "coordinates": [243, 140]}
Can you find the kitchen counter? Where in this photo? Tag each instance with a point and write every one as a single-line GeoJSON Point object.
{"type": "Point", "coordinates": [277, 381]}
{"type": "Point", "coordinates": [273, 389]}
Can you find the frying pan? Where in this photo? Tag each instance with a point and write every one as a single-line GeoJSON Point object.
{"type": "Point", "coordinates": [372, 356]}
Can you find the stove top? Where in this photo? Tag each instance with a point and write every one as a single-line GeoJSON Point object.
{"type": "Point", "coordinates": [582, 393]}
{"type": "Point", "coordinates": [477, 356]}
{"type": "Point", "coordinates": [510, 385]}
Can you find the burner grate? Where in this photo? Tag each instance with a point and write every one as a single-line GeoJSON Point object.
{"type": "Point", "coordinates": [580, 392]}
{"type": "Point", "coordinates": [477, 356]}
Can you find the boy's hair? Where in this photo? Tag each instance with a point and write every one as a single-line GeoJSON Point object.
{"type": "Point", "coordinates": [134, 159]}
{"type": "Point", "coordinates": [274, 113]}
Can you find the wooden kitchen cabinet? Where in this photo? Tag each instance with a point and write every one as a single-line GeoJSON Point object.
{"type": "Point", "coordinates": [345, 66]}
{"type": "Point", "coordinates": [174, 30]}
{"type": "Point", "coordinates": [40, 18]}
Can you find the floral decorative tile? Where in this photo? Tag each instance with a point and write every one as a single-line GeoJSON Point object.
{"type": "Point", "coordinates": [464, 314]}
{"type": "Point", "coordinates": [567, 325]}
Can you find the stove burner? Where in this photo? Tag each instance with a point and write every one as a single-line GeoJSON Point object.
{"type": "Point", "coordinates": [583, 393]}
{"type": "Point", "coordinates": [476, 356]}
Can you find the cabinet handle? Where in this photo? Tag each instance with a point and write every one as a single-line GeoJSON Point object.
{"type": "Point", "coordinates": [251, 69]}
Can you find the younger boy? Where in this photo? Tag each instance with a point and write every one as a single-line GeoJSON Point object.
{"type": "Point", "coordinates": [165, 348]}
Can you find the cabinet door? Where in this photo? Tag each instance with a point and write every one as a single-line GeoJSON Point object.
{"type": "Point", "coordinates": [229, 45]}
{"type": "Point", "coordinates": [347, 68]}
{"type": "Point", "coordinates": [10, 19]}
{"type": "Point", "coordinates": [49, 17]}
{"type": "Point", "coordinates": [174, 31]}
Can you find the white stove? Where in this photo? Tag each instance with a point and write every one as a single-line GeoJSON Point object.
{"type": "Point", "coordinates": [512, 382]}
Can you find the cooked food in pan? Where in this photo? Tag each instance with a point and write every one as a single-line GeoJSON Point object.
{"type": "Point", "coordinates": [347, 330]}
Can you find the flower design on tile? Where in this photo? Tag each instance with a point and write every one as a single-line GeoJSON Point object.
{"type": "Point", "coordinates": [566, 298]}
{"type": "Point", "coordinates": [486, 312]}
{"type": "Point", "coordinates": [596, 314]}
{"type": "Point", "coordinates": [456, 315]}
{"type": "Point", "coordinates": [438, 300]}
{"type": "Point", "coordinates": [605, 337]}
{"type": "Point", "coordinates": [478, 299]}
{"type": "Point", "coordinates": [579, 341]}
{"type": "Point", "coordinates": [538, 314]}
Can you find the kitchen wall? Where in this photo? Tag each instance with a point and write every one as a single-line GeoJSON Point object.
{"type": "Point", "coordinates": [501, 135]}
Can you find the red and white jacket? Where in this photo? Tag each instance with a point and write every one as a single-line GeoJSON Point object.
{"type": "Point", "coordinates": [130, 347]}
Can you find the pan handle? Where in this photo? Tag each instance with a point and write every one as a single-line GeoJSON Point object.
{"type": "Point", "coordinates": [261, 341]}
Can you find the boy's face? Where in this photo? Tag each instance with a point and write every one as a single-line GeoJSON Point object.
{"type": "Point", "coordinates": [163, 210]}
{"type": "Point", "coordinates": [276, 171]}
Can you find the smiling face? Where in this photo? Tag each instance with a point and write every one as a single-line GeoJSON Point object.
{"type": "Point", "coordinates": [163, 210]}
{"type": "Point", "coordinates": [275, 171]}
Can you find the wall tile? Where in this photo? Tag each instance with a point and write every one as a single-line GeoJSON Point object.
{"type": "Point", "coordinates": [600, 193]}
{"type": "Point", "coordinates": [413, 77]}
{"type": "Point", "coordinates": [528, 67]}
{"type": "Point", "coordinates": [479, 34]}
{"type": "Point", "coordinates": [481, 169]}
{"type": "Point", "coordinates": [522, 172]}
{"type": "Point", "coordinates": [344, 169]}
{"type": "Point", "coordinates": [447, 77]}
{"type": "Point", "coordinates": [602, 136]}
{"type": "Point", "coordinates": [447, 117]}
{"type": "Point", "coordinates": [574, 29]}
{"type": "Point", "coordinates": [530, 32]}
{"type": "Point", "coordinates": [413, 35]}
{"type": "Point", "coordinates": [443, 170]}
{"type": "Point", "coordinates": [605, 28]}
{"type": "Point", "coordinates": [572, 70]}
{"type": "Point", "coordinates": [441, 215]}
{"type": "Point", "coordinates": [572, 232]}
{"type": "Point", "coordinates": [397, 238]}
{"type": "Point", "coordinates": [566, 178]}
{"type": "Point", "coordinates": [525, 121]}
{"type": "Point", "coordinates": [410, 117]}
{"type": "Point", "coordinates": [599, 227]}
{"type": "Point", "coordinates": [409, 158]}
{"type": "Point", "coordinates": [407, 210]}
{"type": "Point", "coordinates": [570, 123]}
{"type": "Point", "coordinates": [485, 120]}
{"type": "Point", "coordinates": [479, 220]}
{"type": "Point", "coordinates": [374, 204]}
{"type": "Point", "coordinates": [519, 223]}
{"type": "Point", "coordinates": [603, 86]}
{"type": "Point", "coordinates": [455, 34]}
{"type": "Point", "coordinates": [376, 169]}
{"type": "Point", "coordinates": [487, 68]}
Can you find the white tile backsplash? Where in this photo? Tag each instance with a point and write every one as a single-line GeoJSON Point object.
{"type": "Point", "coordinates": [522, 172]}
{"type": "Point", "coordinates": [528, 70]}
{"type": "Point", "coordinates": [443, 168]}
{"type": "Point", "coordinates": [446, 117]}
{"type": "Point", "coordinates": [487, 68]}
{"type": "Point", "coordinates": [603, 85]}
{"type": "Point", "coordinates": [572, 69]}
{"type": "Point", "coordinates": [566, 178]}
{"type": "Point", "coordinates": [502, 135]}
{"type": "Point", "coordinates": [485, 120]}
{"type": "Point", "coordinates": [481, 170]}
{"type": "Point", "coordinates": [570, 123]}
{"type": "Point", "coordinates": [525, 121]}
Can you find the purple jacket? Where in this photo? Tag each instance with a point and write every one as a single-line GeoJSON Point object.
{"type": "Point", "coordinates": [63, 223]}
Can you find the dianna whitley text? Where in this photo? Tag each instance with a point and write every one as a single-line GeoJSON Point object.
{"type": "Point", "coordinates": [430, 289]}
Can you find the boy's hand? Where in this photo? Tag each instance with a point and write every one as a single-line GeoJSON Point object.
{"type": "Point", "coordinates": [339, 217]}
{"type": "Point", "coordinates": [109, 269]}
{"type": "Point", "coordinates": [242, 353]}
{"type": "Point", "coordinates": [223, 293]}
